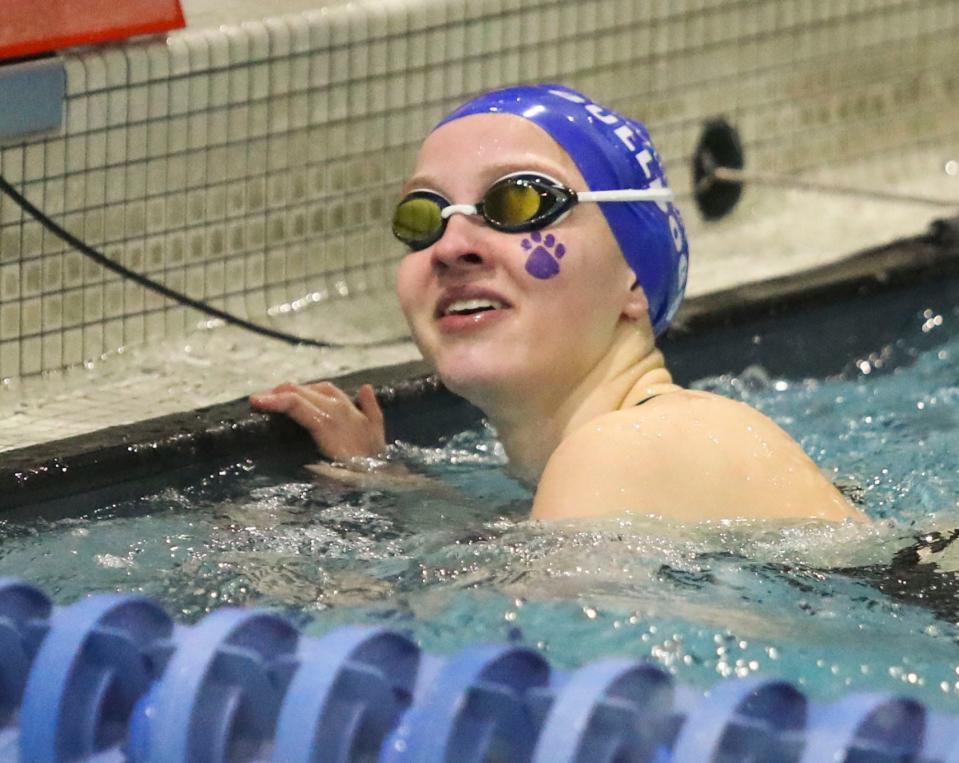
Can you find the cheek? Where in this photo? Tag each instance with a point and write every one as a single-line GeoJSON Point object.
{"type": "Point", "coordinates": [544, 254]}
{"type": "Point", "coordinates": [409, 282]}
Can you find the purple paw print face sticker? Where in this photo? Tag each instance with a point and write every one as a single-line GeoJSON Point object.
{"type": "Point", "coordinates": [544, 255]}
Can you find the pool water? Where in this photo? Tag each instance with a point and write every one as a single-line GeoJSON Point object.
{"type": "Point", "coordinates": [832, 608]}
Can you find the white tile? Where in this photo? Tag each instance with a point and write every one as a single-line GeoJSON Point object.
{"type": "Point", "coordinates": [31, 316]}
{"type": "Point", "coordinates": [34, 166]}
{"type": "Point", "coordinates": [52, 317]}
{"type": "Point", "coordinates": [238, 45]}
{"type": "Point", "coordinates": [199, 91]}
{"type": "Point", "coordinates": [197, 129]}
{"type": "Point", "coordinates": [115, 63]}
{"type": "Point", "coordinates": [95, 70]}
{"type": "Point", "coordinates": [31, 356]}
{"type": "Point", "coordinates": [9, 320]}
{"type": "Point", "coordinates": [138, 63]}
{"type": "Point", "coordinates": [280, 37]}
{"type": "Point", "coordinates": [178, 53]}
{"type": "Point", "coordinates": [179, 95]}
{"type": "Point", "coordinates": [72, 347]}
{"type": "Point", "coordinates": [259, 40]}
{"type": "Point", "coordinates": [198, 47]}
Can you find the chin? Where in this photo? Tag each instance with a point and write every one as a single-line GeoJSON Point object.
{"type": "Point", "coordinates": [480, 382]}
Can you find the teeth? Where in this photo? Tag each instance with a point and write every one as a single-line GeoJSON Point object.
{"type": "Point", "coordinates": [473, 305]}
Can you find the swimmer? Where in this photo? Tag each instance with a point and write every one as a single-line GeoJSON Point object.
{"type": "Point", "coordinates": [545, 257]}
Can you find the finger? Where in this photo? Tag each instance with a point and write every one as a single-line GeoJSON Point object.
{"type": "Point", "coordinates": [296, 407]}
{"type": "Point", "coordinates": [321, 399]}
{"type": "Point", "coordinates": [330, 390]}
{"type": "Point", "coordinates": [366, 399]}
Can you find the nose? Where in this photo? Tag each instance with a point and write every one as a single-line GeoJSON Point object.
{"type": "Point", "coordinates": [461, 245]}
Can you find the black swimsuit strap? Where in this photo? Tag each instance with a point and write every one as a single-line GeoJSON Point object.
{"type": "Point", "coordinates": [647, 399]}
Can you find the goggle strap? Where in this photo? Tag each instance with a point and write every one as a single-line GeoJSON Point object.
{"type": "Point", "coordinates": [458, 209]}
{"type": "Point", "coordinates": [627, 194]}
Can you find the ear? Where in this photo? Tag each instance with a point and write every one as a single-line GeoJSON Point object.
{"type": "Point", "coordinates": [636, 305]}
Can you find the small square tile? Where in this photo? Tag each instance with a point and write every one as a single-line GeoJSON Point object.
{"type": "Point", "coordinates": [216, 242]}
{"type": "Point", "coordinates": [113, 299]}
{"type": "Point", "coordinates": [52, 266]}
{"type": "Point", "coordinates": [118, 108]}
{"type": "Point", "coordinates": [256, 234]}
{"type": "Point", "coordinates": [176, 211]}
{"type": "Point", "coordinates": [9, 360]}
{"type": "Point", "coordinates": [30, 277]}
{"type": "Point", "coordinates": [136, 180]}
{"type": "Point", "coordinates": [115, 184]}
{"type": "Point", "coordinates": [235, 275]}
{"type": "Point", "coordinates": [259, 82]}
{"type": "Point", "coordinates": [236, 238]}
{"type": "Point", "coordinates": [216, 203]}
{"type": "Point", "coordinates": [158, 100]}
{"type": "Point", "coordinates": [199, 92]}
{"type": "Point", "coordinates": [179, 96]}
{"type": "Point", "coordinates": [73, 314]}
{"type": "Point", "coordinates": [72, 269]}
{"type": "Point", "coordinates": [219, 91]}
{"type": "Point", "coordinates": [133, 300]}
{"type": "Point", "coordinates": [154, 326]}
{"type": "Point", "coordinates": [72, 347]}
{"type": "Point", "coordinates": [198, 126]}
{"type": "Point", "coordinates": [137, 143]}
{"type": "Point", "coordinates": [239, 85]}
{"type": "Point", "coordinates": [31, 316]}
{"type": "Point", "coordinates": [93, 303]}
{"type": "Point", "coordinates": [10, 244]}
{"type": "Point", "coordinates": [175, 250]}
{"type": "Point", "coordinates": [176, 178]}
{"type": "Point", "coordinates": [9, 321]}
{"type": "Point", "coordinates": [178, 53]}
{"type": "Point", "coordinates": [112, 335]}
{"type": "Point", "coordinates": [195, 283]}
{"type": "Point", "coordinates": [52, 308]}
{"type": "Point", "coordinates": [93, 341]}
{"type": "Point", "coordinates": [215, 279]}
{"type": "Point", "coordinates": [196, 246]}
{"type": "Point", "coordinates": [31, 356]}
{"type": "Point", "coordinates": [255, 271]}
{"type": "Point", "coordinates": [259, 122]}
{"type": "Point", "coordinates": [134, 329]}
{"type": "Point", "coordinates": [135, 220]}
{"type": "Point", "coordinates": [116, 145]}
{"type": "Point", "coordinates": [95, 70]}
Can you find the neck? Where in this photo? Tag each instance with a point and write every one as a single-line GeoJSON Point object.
{"type": "Point", "coordinates": [531, 425]}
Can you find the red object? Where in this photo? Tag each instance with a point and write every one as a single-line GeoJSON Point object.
{"type": "Point", "coordinates": [39, 26]}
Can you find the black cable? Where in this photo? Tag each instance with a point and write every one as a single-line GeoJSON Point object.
{"type": "Point", "coordinates": [149, 283]}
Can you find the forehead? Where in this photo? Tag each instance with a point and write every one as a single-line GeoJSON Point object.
{"type": "Point", "coordinates": [484, 147]}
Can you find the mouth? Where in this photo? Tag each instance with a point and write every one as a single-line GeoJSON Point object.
{"type": "Point", "coordinates": [465, 305]}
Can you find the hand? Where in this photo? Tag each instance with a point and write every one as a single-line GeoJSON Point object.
{"type": "Point", "coordinates": [340, 429]}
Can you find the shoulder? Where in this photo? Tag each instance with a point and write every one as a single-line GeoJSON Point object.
{"type": "Point", "coordinates": [688, 455]}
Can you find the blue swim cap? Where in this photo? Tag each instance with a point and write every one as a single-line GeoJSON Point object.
{"type": "Point", "coordinates": [611, 152]}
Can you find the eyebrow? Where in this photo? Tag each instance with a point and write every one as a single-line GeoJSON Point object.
{"type": "Point", "coordinates": [494, 173]}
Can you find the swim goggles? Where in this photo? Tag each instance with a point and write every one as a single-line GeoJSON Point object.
{"type": "Point", "coordinates": [520, 202]}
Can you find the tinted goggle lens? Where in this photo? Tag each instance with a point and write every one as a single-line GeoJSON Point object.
{"type": "Point", "coordinates": [515, 202]}
{"type": "Point", "coordinates": [513, 205]}
{"type": "Point", "coordinates": [417, 220]}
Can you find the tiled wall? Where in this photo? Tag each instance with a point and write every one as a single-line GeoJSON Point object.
{"type": "Point", "coordinates": [256, 166]}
